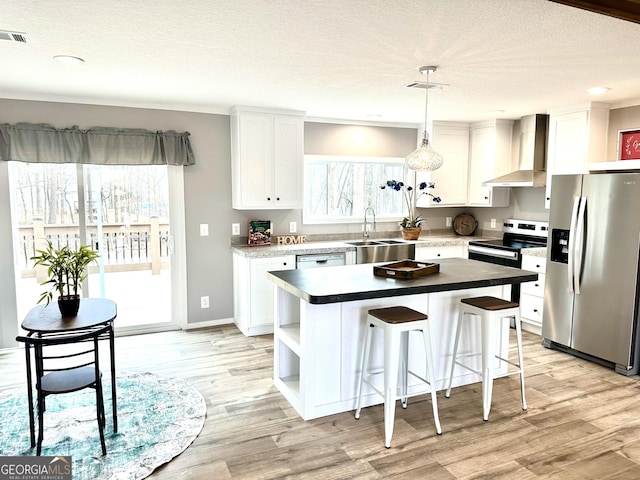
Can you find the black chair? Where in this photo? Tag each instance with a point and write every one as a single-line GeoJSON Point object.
{"type": "Point", "coordinates": [63, 372]}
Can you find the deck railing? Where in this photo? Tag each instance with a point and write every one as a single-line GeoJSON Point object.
{"type": "Point", "coordinates": [126, 247]}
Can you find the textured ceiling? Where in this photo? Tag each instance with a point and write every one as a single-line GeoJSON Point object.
{"type": "Point", "coordinates": [340, 59]}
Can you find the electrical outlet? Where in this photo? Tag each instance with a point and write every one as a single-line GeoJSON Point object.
{"type": "Point", "coordinates": [448, 220]}
{"type": "Point", "coordinates": [293, 227]}
{"type": "Point", "coordinates": [204, 302]}
{"type": "Point", "coordinates": [235, 229]}
{"type": "Point", "coordinates": [204, 229]}
{"type": "Point", "coordinates": [493, 223]}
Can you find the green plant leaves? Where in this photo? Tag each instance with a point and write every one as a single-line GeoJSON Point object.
{"type": "Point", "coordinates": [66, 268]}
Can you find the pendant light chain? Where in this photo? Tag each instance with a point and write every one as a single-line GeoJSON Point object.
{"type": "Point", "coordinates": [426, 106]}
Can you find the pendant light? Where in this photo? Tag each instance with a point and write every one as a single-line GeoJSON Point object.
{"type": "Point", "coordinates": [425, 158]}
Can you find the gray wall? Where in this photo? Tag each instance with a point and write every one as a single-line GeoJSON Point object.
{"type": "Point", "coordinates": [627, 118]}
{"type": "Point", "coordinates": [358, 140]}
{"type": "Point", "coordinates": [208, 183]}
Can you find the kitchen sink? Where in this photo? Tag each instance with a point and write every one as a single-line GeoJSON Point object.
{"type": "Point", "coordinates": [373, 251]}
{"type": "Point", "coordinates": [364, 243]}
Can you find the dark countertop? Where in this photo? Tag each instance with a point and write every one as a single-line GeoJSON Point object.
{"type": "Point", "coordinates": [357, 282]}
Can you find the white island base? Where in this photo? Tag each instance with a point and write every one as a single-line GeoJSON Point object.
{"type": "Point", "coordinates": [318, 347]}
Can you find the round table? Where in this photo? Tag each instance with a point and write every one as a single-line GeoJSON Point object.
{"type": "Point", "coordinates": [93, 313]}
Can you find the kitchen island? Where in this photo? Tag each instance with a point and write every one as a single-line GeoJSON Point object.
{"type": "Point", "coordinates": [321, 314]}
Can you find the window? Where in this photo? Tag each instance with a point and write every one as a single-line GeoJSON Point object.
{"type": "Point", "coordinates": [121, 210]}
{"type": "Point", "coordinates": [338, 189]}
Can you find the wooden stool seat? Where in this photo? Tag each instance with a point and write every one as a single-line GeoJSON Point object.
{"type": "Point", "coordinates": [397, 314]}
{"type": "Point", "coordinates": [489, 303]}
{"type": "Point", "coordinates": [396, 323]}
{"type": "Point", "coordinates": [491, 312]}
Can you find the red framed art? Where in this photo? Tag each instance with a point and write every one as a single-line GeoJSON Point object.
{"type": "Point", "coordinates": [629, 144]}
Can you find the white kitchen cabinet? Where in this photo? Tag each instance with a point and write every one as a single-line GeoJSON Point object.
{"type": "Point", "coordinates": [253, 293]}
{"type": "Point", "coordinates": [451, 140]}
{"type": "Point", "coordinates": [490, 157]}
{"type": "Point", "coordinates": [434, 253]}
{"type": "Point", "coordinates": [473, 154]}
{"type": "Point", "coordinates": [532, 294]}
{"type": "Point", "coordinates": [577, 137]}
{"type": "Point", "coordinates": [266, 159]}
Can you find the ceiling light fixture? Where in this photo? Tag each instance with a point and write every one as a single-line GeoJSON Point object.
{"type": "Point", "coordinates": [425, 158]}
{"type": "Point", "coordinates": [598, 90]}
{"type": "Point", "coordinates": [68, 59]}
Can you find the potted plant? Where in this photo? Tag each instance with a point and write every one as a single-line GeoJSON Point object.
{"type": "Point", "coordinates": [411, 223]}
{"type": "Point", "coordinates": [66, 269]}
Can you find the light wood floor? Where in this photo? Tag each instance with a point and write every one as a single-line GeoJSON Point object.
{"type": "Point", "coordinates": [583, 420]}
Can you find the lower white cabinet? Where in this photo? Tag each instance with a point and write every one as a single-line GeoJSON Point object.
{"type": "Point", "coordinates": [253, 293]}
{"type": "Point", "coordinates": [434, 253]}
{"type": "Point", "coordinates": [532, 294]}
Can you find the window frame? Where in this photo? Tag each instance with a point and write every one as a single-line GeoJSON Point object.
{"type": "Point", "coordinates": [327, 220]}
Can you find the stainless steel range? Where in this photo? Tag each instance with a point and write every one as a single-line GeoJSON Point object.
{"type": "Point", "coordinates": [517, 234]}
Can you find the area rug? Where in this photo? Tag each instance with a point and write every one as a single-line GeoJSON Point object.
{"type": "Point", "coordinates": [158, 418]}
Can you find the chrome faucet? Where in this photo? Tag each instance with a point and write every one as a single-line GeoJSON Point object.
{"type": "Point", "coordinates": [365, 233]}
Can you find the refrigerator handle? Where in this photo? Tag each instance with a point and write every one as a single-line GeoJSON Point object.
{"type": "Point", "coordinates": [572, 232]}
{"type": "Point", "coordinates": [578, 245]}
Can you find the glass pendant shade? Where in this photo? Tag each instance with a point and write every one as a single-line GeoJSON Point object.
{"type": "Point", "coordinates": [424, 158]}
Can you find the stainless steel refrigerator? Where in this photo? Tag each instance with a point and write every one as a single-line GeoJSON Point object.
{"type": "Point", "coordinates": [591, 285]}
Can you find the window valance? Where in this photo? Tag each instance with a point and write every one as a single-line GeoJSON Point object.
{"type": "Point", "coordinates": [43, 143]}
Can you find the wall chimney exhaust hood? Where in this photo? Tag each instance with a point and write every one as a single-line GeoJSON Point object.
{"type": "Point", "coordinates": [533, 155]}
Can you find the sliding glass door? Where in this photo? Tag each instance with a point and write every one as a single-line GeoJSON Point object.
{"type": "Point", "coordinates": [121, 211]}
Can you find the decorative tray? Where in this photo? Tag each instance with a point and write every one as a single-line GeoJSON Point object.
{"type": "Point", "coordinates": [406, 269]}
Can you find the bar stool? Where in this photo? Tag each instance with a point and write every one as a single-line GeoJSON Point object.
{"type": "Point", "coordinates": [396, 323]}
{"type": "Point", "coordinates": [491, 311]}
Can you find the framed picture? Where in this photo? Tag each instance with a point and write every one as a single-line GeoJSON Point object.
{"type": "Point", "coordinates": [259, 232]}
{"type": "Point", "coordinates": [629, 144]}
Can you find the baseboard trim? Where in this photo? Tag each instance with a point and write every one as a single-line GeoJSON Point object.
{"type": "Point", "coordinates": [208, 323]}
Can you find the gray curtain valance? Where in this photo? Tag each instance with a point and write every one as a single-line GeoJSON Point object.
{"type": "Point", "coordinates": [42, 143]}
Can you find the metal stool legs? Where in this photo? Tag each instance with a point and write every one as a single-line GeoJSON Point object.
{"type": "Point", "coordinates": [364, 363]}
{"type": "Point", "coordinates": [396, 345]}
{"type": "Point", "coordinates": [491, 311]}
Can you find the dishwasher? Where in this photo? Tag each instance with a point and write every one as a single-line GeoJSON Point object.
{"type": "Point", "coordinates": [320, 260]}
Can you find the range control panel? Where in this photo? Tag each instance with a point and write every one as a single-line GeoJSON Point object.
{"type": "Point", "coordinates": [526, 227]}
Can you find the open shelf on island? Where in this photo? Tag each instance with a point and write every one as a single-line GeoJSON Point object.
{"type": "Point", "coordinates": [290, 336]}
{"type": "Point", "coordinates": [292, 383]}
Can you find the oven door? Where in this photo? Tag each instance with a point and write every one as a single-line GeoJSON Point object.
{"type": "Point", "coordinates": [491, 254]}
{"type": "Point", "coordinates": [499, 256]}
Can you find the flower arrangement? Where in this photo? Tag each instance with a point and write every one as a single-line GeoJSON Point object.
{"type": "Point", "coordinates": [412, 220]}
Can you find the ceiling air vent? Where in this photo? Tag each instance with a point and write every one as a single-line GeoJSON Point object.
{"type": "Point", "coordinates": [426, 85]}
{"type": "Point", "coordinates": [13, 36]}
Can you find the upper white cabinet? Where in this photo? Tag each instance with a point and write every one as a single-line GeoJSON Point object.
{"type": "Point", "coordinates": [266, 158]}
{"type": "Point", "coordinates": [473, 153]}
{"type": "Point", "coordinates": [490, 157]}
{"type": "Point", "coordinates": [451, 140]}
{"type": "Point", "coordinates": [577, 137]}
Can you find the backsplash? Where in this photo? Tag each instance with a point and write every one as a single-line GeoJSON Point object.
{"type": "Point", "coordinates": [341, 237]}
